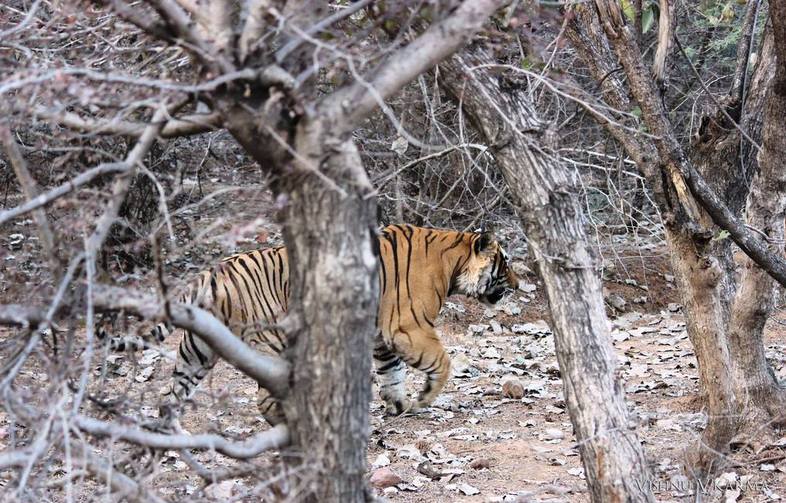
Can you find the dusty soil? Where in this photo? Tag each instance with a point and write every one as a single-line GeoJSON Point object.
{"type": "Point", "coordinates": [475, 445]}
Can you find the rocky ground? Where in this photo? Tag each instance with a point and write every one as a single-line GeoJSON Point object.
{"type": "Point", "coordinates": [499, 431]}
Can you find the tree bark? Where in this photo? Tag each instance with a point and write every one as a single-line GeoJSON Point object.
{"type": "Point", "coordinates": [766, 209]}
{"type": "Point", "coordinates": [730, 363]}
{"type": "Point", "coordinates": [547, 197]}
{"type": "Point", "coordinates": [330, 239]}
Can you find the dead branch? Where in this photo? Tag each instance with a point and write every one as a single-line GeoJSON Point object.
{"type": "Point", "coordinates": [271, 372]}
{"type": "Point", "coordinates": [186, 125]}
{"type": "Point", "coordinates": [682, 171]}
{"type": "Point", "coordinates": [350, 105]}
{"type": "Point", "coordinates": [14, 458]}
{"type": "Point", "coordinates": [285, 51]}
{"type": "Point", "coordinates": [123, 183]}
{"type": "Point", "coordinates": [58, 192]}
{"type": "Point", "coordinates": [22, 316]}
{"type": "Point", "coordinates": [103, 471]}
{"type": "Point", "coordinates": [744, 49]}
{"type": "Point", "coordinates": [252, 30]}
{"type": "Point", "coordinates": [666, 23]}
{"type": "Point", "coordinates": [30, 190]}
{"type": "Point", "coordinates": [274, 438]}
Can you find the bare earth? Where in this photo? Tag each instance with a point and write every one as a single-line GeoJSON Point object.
{"type": "Point", "coordinates": [475, 445]}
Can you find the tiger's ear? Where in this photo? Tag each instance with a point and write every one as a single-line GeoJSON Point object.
{"type": "Point", "coordinates": [485, 242]}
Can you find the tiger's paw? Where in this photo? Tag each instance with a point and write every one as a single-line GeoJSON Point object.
{"type": "Point", "coordinates": [398, 406]}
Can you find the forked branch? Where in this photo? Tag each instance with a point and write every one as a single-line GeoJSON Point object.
{"type": "Point", "coordinates": [274, 438]}
{"type": "Point", "coordinates": [271, 372]}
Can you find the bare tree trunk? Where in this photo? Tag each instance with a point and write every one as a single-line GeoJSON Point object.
{"type": "Point", "coordinates": [334, 272]}
{"type": "Point", "coordinates": [766, 210]}
{"type": "Point", "coordinates": [548, 201]}
{"type": "Point", "coordinates": [724, 324]}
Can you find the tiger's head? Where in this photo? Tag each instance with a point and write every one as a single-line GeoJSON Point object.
{"type": "Point", "coordinates": [486, 274]}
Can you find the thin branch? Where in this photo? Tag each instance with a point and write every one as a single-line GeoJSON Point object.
{"type": "Point", "coordinates": [26, 21]}
{"type": "Point", "coordinates": [253, 28]}
{"type": "Point", "coordinates": [207, 86]}
{"type": "Point", "coordinates": [744, 49]}
{"type": "Point", "coordinates": [274, 438]}
{"type": "Point", "coordinates": [123, 183]}
{"type": "Point", "coordinates": [271, 372]}
{"type": "Point", "coordinates": [30, 190]}
{"type": "Point", "coordinates": [350, 105]}
{"type": "Point", "coordinates": [22, 316]}
{"type": "Point", "coordinates": [58, 192]}
{"type": "Point", "coordinates": [14, 458]}
{"type": "Point", "coordinates": [186, 125]}
{"type": "Point", "coordinates": [103, 470]}
{"type": "Point", "coordinates": [293, 44]}
{"type": "Point", "coordinates": [712, 98]}
{"type": "Point", "coordinates": [672, 155]}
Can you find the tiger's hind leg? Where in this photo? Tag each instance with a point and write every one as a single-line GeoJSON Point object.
{"type": "Point", "coordinates": [270, 407]}
{"type": "Point", "coordinates": [424, 351]}
{"type": "Point", "coordinates": [194, 360]}
{"type": "Point", "coordinates": [391, 378]}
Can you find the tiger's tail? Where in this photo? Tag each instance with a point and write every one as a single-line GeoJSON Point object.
{"type": "Point", "coordinates": [155, 337]}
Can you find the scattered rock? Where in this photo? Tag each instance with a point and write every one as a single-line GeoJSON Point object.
{"type": "Point", "coordinates": [617, 302]}
{"type": "Point", "coordinates": [553, 434]}
{"type": "Point", "coordinates": [427, 469]}
{"type": "Point", "coordinates": [422, 445]}
{"type": "Point", "coordinates": [382, 460]}
{"type": "Point", "coordinates": [144, 374]}
{"type": "Point", "coordinates": [727, 479]}
{"type": "Point", "coordinates": [539, 327]}
{"type": "Point", "coordinates": [223, 491]}
{"type": "Point", "coordinates": [384, 477]}
{"type": "Point", "coordinates": [468, 489]}
{"type": "Point", "coordinates": [480, 464]}
{"type": "Point", "coordinates": [462, 366]}
{"type": "Point", "coordinates": [15, 241]}
{"type": "Point", "coordinates": [527, 287]}
{"type": "Point", "coordinates": [496, 327]}
{"type": "Point", "coordinates": [477, 329]}
{"type": "Point", "coordinates": [512, 387]}
{"type": "Point", "coordinates": [399, 145]}
{"type": "Point", "coordinates": [673, 307]}
{"type": "Point", "coordinates": [491, 353]}
{"type": "Point", "coordinates": [511, 309]}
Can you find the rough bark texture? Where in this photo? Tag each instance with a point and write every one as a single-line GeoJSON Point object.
{"type": "Point", "coordinates": [724, 323]}
{"type": "Point", "coordinates": [327, 410]}
{"type": "Point", "coordinates": [766, 210]}
{"type": "Point", "coordinates": [547, 199]}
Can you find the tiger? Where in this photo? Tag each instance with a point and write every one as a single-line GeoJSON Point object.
{"type": "Point", "coordinates": [419, 269]}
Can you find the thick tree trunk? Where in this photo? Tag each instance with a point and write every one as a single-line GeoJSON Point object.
{"type": "Point", "coordinates": [766, 210]}
{"type": "Point", "coordinates": [548, 201]}
{"type": "Point", "coordinates": [724, 324]}
{"type": "Point", "coordinates": [329, 226]}
{"type": "Point", "coordinates": [333, 263]}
